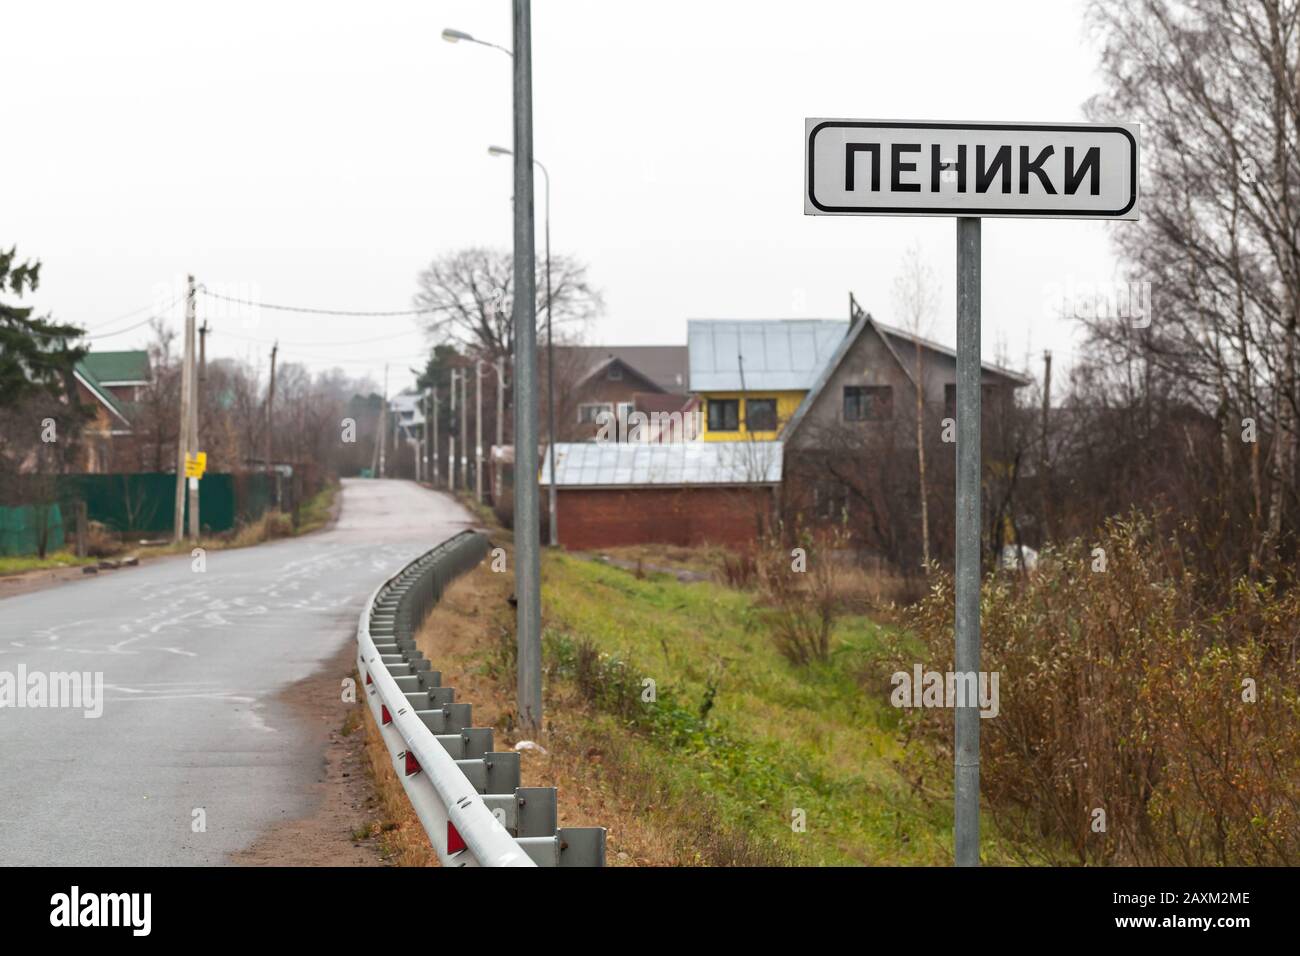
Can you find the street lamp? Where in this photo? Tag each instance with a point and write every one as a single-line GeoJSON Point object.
{"type": "Point", "coordinates": [528, 568]}
{"type": "Point", "coordinates": [550, 352]}
{"type": "Point", "coordinates": [455, 36]}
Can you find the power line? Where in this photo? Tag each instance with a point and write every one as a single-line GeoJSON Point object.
{"type": "Point", "coordinates": [129, 328]}
{"type": "Point", "coordinates": [132, 313]}
{"type": "Point", "coordinates": [377, 338]}
{"type": "Point", "coordinates": [311, 311]}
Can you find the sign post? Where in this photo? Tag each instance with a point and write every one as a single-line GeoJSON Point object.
{"type": "Point", "coordinates": [969, 170]}
{"type": "Point", "coordinates": [966, 752]}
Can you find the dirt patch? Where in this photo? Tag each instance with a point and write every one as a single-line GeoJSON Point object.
{"type": "Point", "coordinates": [341, 828]}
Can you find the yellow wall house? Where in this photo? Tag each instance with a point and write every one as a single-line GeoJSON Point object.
{"type": "Point", "coordinates": [751, 375]}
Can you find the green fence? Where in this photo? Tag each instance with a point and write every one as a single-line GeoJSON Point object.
{"type": "Point", "coordinates": [145, 503]}
{"type": "Point", "coordinates": [139, 504]}
{"type": "Point", "coordinates": [20, 530]}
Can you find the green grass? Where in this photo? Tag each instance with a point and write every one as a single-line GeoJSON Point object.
{"type": "Point", "coordinates": [315, 511]}
{"type": "Point", "coordinates": [57, 559]}
{"type": "Point", "coordinates": [736, 722]}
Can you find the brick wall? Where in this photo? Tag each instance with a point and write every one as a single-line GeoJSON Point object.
{"type": "Point", "coordinates": [602, 518]}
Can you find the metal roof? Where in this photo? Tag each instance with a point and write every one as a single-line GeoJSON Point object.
{"type": "Point", "coordinates": [114, 367]}
{"type": "Point", "coordinates": [633, 464]}
{"type": "Point", "coordinates": [777, 354]}
{"type": "Point", "coordinates": [409, 407]}
{"type": "Point", "coordinates": [97, 388]}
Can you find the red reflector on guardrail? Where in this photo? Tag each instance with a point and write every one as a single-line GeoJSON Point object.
{"type": "Point", "coordinates": [384, 716]}
{"type": "Point", "coordinates": [412, 765]}
{"type": "Point", "coordinates": [455, 843]}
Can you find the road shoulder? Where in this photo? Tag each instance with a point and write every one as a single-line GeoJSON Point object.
{"type": "Point", "coordinates": [337, 830]}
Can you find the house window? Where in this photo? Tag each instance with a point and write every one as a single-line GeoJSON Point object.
{"type": "Point", "coordinates": [760, 414]}
{"type": "Point", "coordinates": [589, 414]}
{"type": "Point", "coordinates": [868, 403]}
{"type": "Point", "coordinates": [615, 373]}
{"type": "Point", "coordinates": [625, 410]}
{"type": "Point", "coordinates": [724, 414]}
{"type": "Point", "coordinates": [830, 500]}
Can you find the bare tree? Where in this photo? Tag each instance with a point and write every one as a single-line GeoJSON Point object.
{"type": "Point", "coordinates": [471, 294]}
{"type": "Point", "coordinates": [1216, 87]}
{"type": "Point", "coordinates": [916, 299]}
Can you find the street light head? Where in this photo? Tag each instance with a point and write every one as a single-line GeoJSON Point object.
{"type": "Point", "coordinates": [452, 36]}
{"type": "Point", "coordinates": [499, 151]}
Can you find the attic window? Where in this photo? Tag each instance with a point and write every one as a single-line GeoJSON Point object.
{"type": "Point", "coordinates": [615, 373]}
{"type": "Point", "coordinates": [868, 403]}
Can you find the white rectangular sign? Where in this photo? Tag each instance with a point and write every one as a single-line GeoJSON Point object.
{"type": "Point", "coordinates": [897, 168]}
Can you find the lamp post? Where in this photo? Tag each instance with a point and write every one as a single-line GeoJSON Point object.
{"type": "Point", "coordinates": [528, 571]}
{"type": "Point", "coordinates": [455, 36]}
{"type": "Point", "coordinates": [550, 353]}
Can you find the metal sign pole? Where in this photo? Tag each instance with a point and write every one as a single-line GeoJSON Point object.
{"type": "Point", "coordinates": [966, 790]}
{"type": "Point", "coordinates": [864, 167]}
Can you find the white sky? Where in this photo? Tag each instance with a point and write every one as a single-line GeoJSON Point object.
{"type": "Point", "coordinates": [320, 153]}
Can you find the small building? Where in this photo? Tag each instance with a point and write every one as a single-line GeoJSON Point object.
{"type": "Point", "coordinates": [111, 383]}
{"type": "Point", "coordinates": [601, 384]}
{"type": "Point", "coordinates": [683, 493]}
{"type": "Point", "coordinates": [870, 383]}
{"type": "Point", "coordinates": [851, 445]}
{"type": "Point", "coordinates": [750, 375]}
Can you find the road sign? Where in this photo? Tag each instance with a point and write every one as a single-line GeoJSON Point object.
{"type": "Point", "coordinates": [969, 171]}
{"type": "Point", "coordinates": [196, 465]}
{"type": "Point", "coordinates": [903, 168]}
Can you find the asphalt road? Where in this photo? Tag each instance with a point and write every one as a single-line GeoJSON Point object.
{"type": "Point", "coordinates": [192, 663]}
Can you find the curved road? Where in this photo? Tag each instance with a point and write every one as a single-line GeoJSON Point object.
{"type": "Point", "coordinates": [192, 663]}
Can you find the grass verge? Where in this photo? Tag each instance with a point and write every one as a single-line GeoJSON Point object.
{"type": "Point", "coordinates": [673, 720]}
{"type": "Point", "coordinates": [58, 559]}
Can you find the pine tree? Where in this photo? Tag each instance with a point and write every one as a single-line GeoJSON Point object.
{"type": "Point", "coordinates": [35, 354]}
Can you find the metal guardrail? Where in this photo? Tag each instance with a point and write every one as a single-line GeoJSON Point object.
{"type": "Point", "coordinates": [467, 797]}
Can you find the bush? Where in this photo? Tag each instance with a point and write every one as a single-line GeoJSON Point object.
{"type": "Point", "coordinates": [505, 511]}
{"type": "Point", "coordinates": [1124, 691]}
{"type": "Point", "coordinates": [101, 541]}
{"type": "Point", "coordinates": [802, 600]}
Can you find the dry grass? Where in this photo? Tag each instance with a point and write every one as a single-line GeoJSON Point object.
{"type": "Point", "coordinates": [269, 527]}
{"type": "Point", "coordinates": [1151, 691]}
{"type": "Point", "coordinates": [400, 832]}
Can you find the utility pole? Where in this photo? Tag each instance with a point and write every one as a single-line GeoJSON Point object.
{"type": "Point", "coordinates": [528, 568]}
{"type": "Point", "coordinates": [183, 428]}
{"type": "Point", "coordinates": [193, 441]}
{"type": "Point", "coordinates": [464, 428]}
{"type": "Point", "coordinates": [478, 430]}
{"type": "Point", "coordinates": [451, 438]}
{"type": "Point", "coordinates": [203, 355]}
{"type": "Point", "coordinates": [383, 430]}
{"type": "Point", "coordinates": [270, 403]}
{"type": "Point", "coordinates": [553, 522]}
{"type": "Point", "coordinates": [433, 399]}
{"type": "Point", "coordinates": [1044, 484]}
{"type": "Point", "coordinates": [501, 402]}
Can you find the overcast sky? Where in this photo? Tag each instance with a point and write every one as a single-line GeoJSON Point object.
{"type": "Point", "coordinates": [318, 154]}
